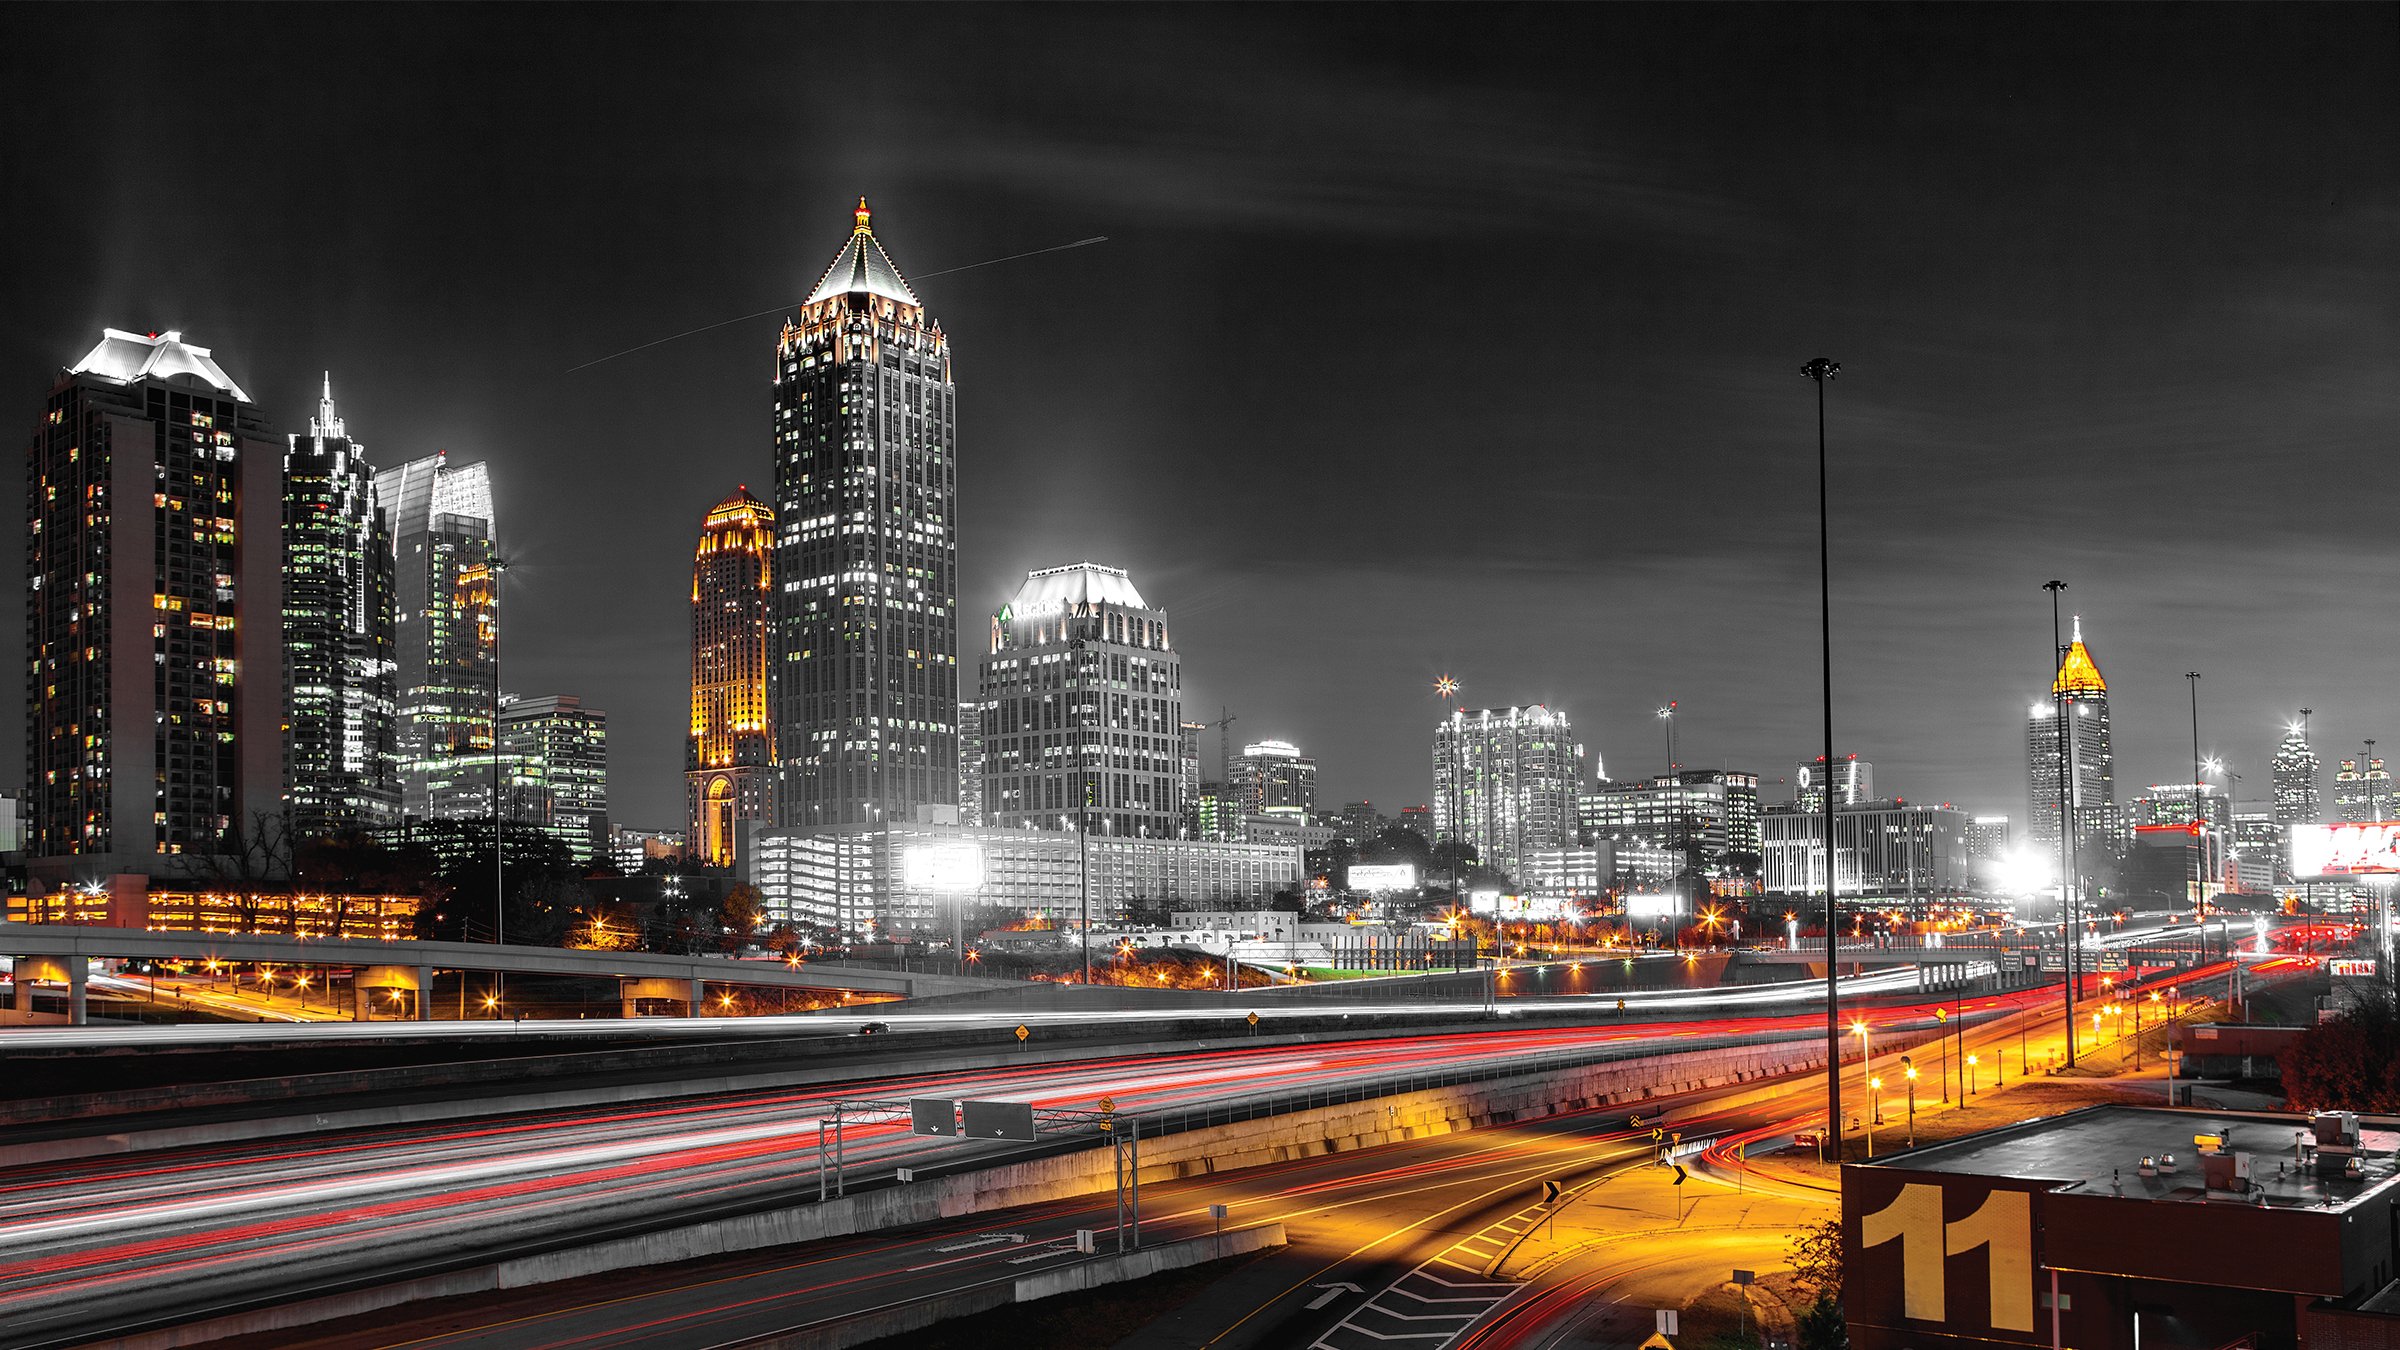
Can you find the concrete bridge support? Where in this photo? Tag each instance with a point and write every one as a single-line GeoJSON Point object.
{"type": "Point", "coordinates": [70, 971]}
{"type": "Point", "coordinates": [686, 992]}
{"type": "Point", "coordinates": [416, 979]}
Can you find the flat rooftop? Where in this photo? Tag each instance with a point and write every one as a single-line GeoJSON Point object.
{"type": "Point", "coordinates": [2099, 1151]}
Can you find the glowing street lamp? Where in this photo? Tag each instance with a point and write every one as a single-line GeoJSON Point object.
{"type": "Point", "coordinates": [1972, 1061]}
{"type": "Point", "coordinates": [1874, 1111]}
{"type": "Point", "coordinates": [1908, 1068]}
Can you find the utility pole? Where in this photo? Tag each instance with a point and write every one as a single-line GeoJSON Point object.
{"type": "Point", "coordinates": [499, 857]}
{"type": "Point", "coordinates": [2199, 806]}
{"type": "Point", "coordinates": [1821, 370]}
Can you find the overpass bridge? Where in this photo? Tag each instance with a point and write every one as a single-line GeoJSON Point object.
{"type": "Point", "coordinates": [64, 952]}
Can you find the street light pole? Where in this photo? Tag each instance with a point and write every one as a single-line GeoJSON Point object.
{"type": "Point", "coordinates": [2066, 825]}
{"type": "Point", "coordinates": [1083, 804]}
{"type": "Point", "coordinates": [499, 565]}
{"type": "Point", "coordinates": [2199, 806]}
{"type": "Point", "coordinates": [1819, 371]}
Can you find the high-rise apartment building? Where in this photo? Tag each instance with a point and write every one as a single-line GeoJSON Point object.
{"type": "Point", "coordinates": [729, 757]}
{"type": "Point", "coordinates": [341, 705]}
{"type": "Point", "coordinates": [556, 754]}
{"type": "Point", "coordinates": [446, 634]}
{"type": "Point", "coordinates": [1852, 779]}
{"type": "Point", "coordinates": [2079, 696]}
{"type": "Point", "coordinates": [1272, 778]}
{"type": "Point", "coordinates": [1087, 704]}
{"type": "Point", "coordinates": [2362, 790]}
{"type": "Point", "coordinates": [2296, 792]}
{"type": "Point", "coordinates": [153, 529]}
{"type": "Point", "coordinates": [1504, 781]}
{"type": "Point", "coordinates": [865, 686]}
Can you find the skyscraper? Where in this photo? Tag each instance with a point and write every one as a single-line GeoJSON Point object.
{"type": "Point", "coordinates": [2296, 792]}
{"type": "Point", "coordinates": [1086, 698]}
{"type": "Point", "coordinates": [865, 687]}
{"type": "Point", "coordinates": [729, 759]}
{"type": "Point", "coordinates": [1853, 781]}
{"type": "Point", "coordinates": [1272, 778]}
{"type": "Point", "coordinates": [1504, 781]}
{"type": "Point", "coordinates": [446, 634]}
{"type": "Point", "coordinates": [154, 562]}
{"type": "Point", "coordinates": [556, 753]}
{"type": "Point", "coordinates": [2080, 695]}
{"type": "Point", "coordinates": [340, 747]}
{"type": "Point", "coordinates": [2362, 789]}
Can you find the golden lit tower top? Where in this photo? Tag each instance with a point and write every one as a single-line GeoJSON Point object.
{"type": "Point", "coordinates": [2076, 672]}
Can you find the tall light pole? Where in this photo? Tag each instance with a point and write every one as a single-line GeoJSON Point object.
{"type": "Point", "coordinates": [2066, 824]}
{"type": "Point", "coordinates": [499, 565]}
{"type": "Point", "coordinates": [1447, 689]}
{"type": "Point", "coordinates": [1083, 804]}
{"type": "Point", "coordinates": [1819, 371]}
{"type": "Point", "coordinates": [2199, 806]}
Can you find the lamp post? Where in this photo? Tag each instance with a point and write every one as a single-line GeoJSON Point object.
{"type": "Point", "coordinates": [2066, 824]}
{"type": "Point", "coordinates": [1874, 1111]}
{"type": "Point", "coordinates": [1972, 1061]}
{"type": "Point", "coordinates": [1908, 1069]}
{"type": "Point", "coordinates": [499, 565]}
{"type": "Point", "coordinates": [1083, 804]}
{"type": "Point", "coordinates": [2199, 807]}
{"type": "Point", "coordinates": [2171, 1011]}
{"type": "Point", "coordinates": [1818, 371]}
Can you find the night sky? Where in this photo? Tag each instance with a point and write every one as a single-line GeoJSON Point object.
{"type": "Point", "coordinates": [1425, 340]}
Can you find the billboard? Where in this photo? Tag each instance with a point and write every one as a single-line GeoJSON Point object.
{"type": "Point", "coordinates": [941, 865]}
{"type": "Point", "coordinates": [1653, 906]}
{"type": "Point", "coordinates": [2366, 848]}
{"type": "Point", "coordinates": [1383, 876]}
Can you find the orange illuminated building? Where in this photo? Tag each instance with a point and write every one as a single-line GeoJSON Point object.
{"type": "Point", "coordinates": [729, 760]}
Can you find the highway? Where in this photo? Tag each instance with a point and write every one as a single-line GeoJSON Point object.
{"type": "Point", "coordinates": [171, 1234]}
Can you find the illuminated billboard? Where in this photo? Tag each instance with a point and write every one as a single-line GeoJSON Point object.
{"type": "Point", "coordinates": [1484, 902]}
{"type": "Point", "coordinates": [1653, 906]}
{"type": "Point", "coordinates": [1383, 876]}
{"type": "Point", "coordinates": [944, 865]}
{"type": "Point", "coordinates": [2369, 848]}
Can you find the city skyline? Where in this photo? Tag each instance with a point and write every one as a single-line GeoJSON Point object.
{"type": "Point", "coordinates": [2210, 312]}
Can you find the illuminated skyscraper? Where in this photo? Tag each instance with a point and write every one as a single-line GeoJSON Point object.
{"type": "Point", "coordinates": [1086, 696]}
{"type": "Point", "coordinates": [2296, 792]}
{"type": "Point", "coordinates": [446, 634]}
{"type": "Point", "coordinates": [729, 760]}
{"type": "Point", "coordinates": [154, 562]}
{"type": "Point", "coordinates": [2362, 789]}
{"type": "Point", "coordinates": [1853, 781]}
{"type": "Point", "coordinates": [341, 753]}
{"type": "Point", "coordinates": [865, 687]}
{"type": "Point", "coordinates": [1504, 781]}
{"type": "Point", "coordinates": [2079, 692]}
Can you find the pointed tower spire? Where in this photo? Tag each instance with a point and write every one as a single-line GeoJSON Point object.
{"type": "Point", "coordinates": [865, 218]}
{"type": "Point", "coordinates": [325, 423]}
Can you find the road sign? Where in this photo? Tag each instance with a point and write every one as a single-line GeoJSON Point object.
{"type": "Point", "coordinates": [1108, 1103]}
{"type": "Point", "coordinates": [1679, 1173]}
{"type": "Point", "coordinates": [1744, 1277]}
{"type": "Point", "coordinates": [1658, 1339]}
{"type": "Point", "coordinates": [1620, 1005]}
{"type": "Point", "coordinates": [932, 1115]}
{"type": "Point", "coordinates": [1670, 1323]}
{"type": "Point", "coordinates": [1023, 1031]}
{"type": "Point", "coordinates": [1550, 1191]}
{"type": "Point", "coordinates": [1657, 1135]}
{"type": "Point", "coordinates": [1253, 1019]}
{"type": "Point", "coordinates": [998, 1120]}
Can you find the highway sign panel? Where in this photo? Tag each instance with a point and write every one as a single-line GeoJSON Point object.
{"type": "Point", "coordinates": [932, 1115]}
{"type": "Point", "coordinates": [1023, 1031]}
{"type": "Point", "coordinates": [998, 1120]}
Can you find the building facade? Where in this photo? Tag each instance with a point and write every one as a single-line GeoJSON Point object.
{"type": "Point", "coordinates": [341, 698]}
{"type": "Point", "coordinates": [865, 686]}
{"type": "Point", "coordinates": [729, 756]}
{"type": "Point", "coordinates": [1272, 778]}
{"type": "Point", "coordinates": [916, 880]}
{"type": "Point", "coordinates": [446, 634]}
{"type": "Point", "coordinates": [555, 752]}
{"type": "Point", "coordinates": [153, 618]}
{"type": "Point", "coordinates": [1713, 812]}
{"type": "Point", "coordinates": [2362, 790]}
{"type": "Point", "coordinates": [2085, 774]}
{"type": "Point", "coordinates": [1086, 696]}
{"type": "Point", "coordinates": [1882, 848]}
{"type": "Point", "coordinates": [1504, 781]}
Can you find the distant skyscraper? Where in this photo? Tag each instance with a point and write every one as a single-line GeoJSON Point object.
{"type": "Point", "coordinates": [154, 562]}
{"type": "Point", "coordinates": [1853, 781]}
{"type": "Point", "coordinates": [865, 690]}
{"type": "Point", "coordinates": [974, 723]}
{"type": "Point", "coordinates": [1087, 696]}
{"type": "Point", "coordinates": [340, 738]}
{"type": "Point", "coordinates": [2091, 772]}
{"type": "Point", "coordinates": [1272, 778]}
{"type": "Point", "coordinates": [556, 754]}
{"type": "Point", "coordinates": [2362, 790]}
{"type": "Point", "coordinates": [1987, 840]}
{"type": "Point", "coordinates": [2296, 791]}
{"type": "Point", "coordinates": [1188, 783]}
{"type": "Point", "coordinates": [446, 634]}
{"type": "Point", "coordinates": [1504, 781]}
{"type": "Point", "coordinates": [729, 758]}
{"type": "Point", "coordinates": [1712, 811]}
